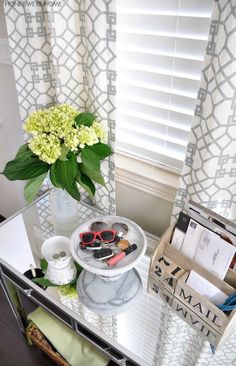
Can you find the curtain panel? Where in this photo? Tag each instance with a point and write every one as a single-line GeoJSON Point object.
{"type": "Point", "coordinates": [209, 173]}
{"type": "Point", "coordinates": [64, 52]}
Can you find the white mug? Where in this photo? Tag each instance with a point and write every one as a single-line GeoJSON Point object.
{"type": "Point", "coordinates": [61, 269]}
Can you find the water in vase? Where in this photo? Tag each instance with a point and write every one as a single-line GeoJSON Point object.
{"type": "Point", "coordinates": [64, 212]}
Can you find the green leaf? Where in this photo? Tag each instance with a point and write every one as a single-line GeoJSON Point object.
{"type": "Point", "coordinates": [90, 159]}
{"type": "Point", "coordinates": [24, 153]}
{"type": "Point", "coordinates": [92, 174]}
{"type": "Point", "coordinates": [86, 183]}
{"type": "Point", "coordinates": [32, 187]}
{"type": "Point", "coordinates": [53, 176]}
{"type": "Point", "coordinates": [85, 119]}
{"type": "Point", "coordinates": [25, 169]}
{"type": "Point", "coordinates": [43, 264]}
{"type": "Point", "coordinates": [66, 173]}
{"type": "Point", "coordinates": [78, 267]}
{"type": "Point", "coordinates": [44, 282]}
{"type": "Point", "coordinates": [64, 152]}
{"type": "Point", "coordinates": [101, 150]}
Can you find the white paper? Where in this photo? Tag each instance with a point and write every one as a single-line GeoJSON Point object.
{"type": "Point", "coordinates": [206, 288]}
{"type": "Point", "coordinates": [177, 239]}
{"type": "Point", "coordinates": [192, 239]}
{"type": "Point", "coordinates": [214, 253]}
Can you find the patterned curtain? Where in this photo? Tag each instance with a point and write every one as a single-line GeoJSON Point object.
{"type": "Point", "coordinates": [209, 173]}
{"type": "Point", "coordinates": [63, 52]}
{"type": "Point", "coordinates": [208, 177]}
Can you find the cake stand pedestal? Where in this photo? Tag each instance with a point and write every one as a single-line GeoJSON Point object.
{"type": "Point", "coordinates": [109, 295]}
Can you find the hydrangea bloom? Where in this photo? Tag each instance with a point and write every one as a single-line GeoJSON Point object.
{"type": "Point", "coordinates": [71, 139]}
{"type": "Point", "coordinates": [68, 290]}
{"type": "Point", "coordinates": [58, 119]}
{"type": "Point", "coordinates": [101, 134]}
{"type": "Point", "coordinates": [55, 126]}
{"type": "Point", "coordinates": [87, 136]}
{"type": "Point", "coordinates": [46, 146]}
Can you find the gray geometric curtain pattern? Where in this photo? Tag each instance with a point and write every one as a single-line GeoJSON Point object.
{"type": "Point", "coordinates": [209, 173]}
{"type": "Point", "coordinates": [64, 52]}
{"type": "Point", "coordinates": [208, 177]}
{"type": "Point", "coordinates": [179, 344]}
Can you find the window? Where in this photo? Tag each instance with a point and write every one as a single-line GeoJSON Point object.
{"type": "Point", "coordinates": [160, 49]}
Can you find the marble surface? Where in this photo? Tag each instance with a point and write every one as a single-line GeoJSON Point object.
{"type": "Point", "coordinates": [109, 296]}
{"type": "Point", "coordinates": [86, 258]}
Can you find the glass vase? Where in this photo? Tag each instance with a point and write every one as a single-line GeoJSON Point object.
{"type": "Point", "coordinates": [64, 210]}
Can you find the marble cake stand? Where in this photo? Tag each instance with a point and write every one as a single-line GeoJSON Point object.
{"type": "Point", "coordinates": [103, 289]}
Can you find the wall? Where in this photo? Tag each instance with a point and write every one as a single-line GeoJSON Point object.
{"type": "Point", "coordinates": [151, 213]}
{"type": "Point", "coordinates": [145, 192]}
{"type": "Point", "coordinates": [11, 135]}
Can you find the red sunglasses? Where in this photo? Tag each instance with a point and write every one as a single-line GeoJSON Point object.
{"type": "Point", "coordinates": [90, 236]}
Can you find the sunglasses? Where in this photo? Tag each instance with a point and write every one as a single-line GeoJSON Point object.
{"type": "Point", "coordinates": [91, 236]}
{"type": "Point", "coordinates": [119, 227]}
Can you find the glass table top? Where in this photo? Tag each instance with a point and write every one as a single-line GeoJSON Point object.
{"type": "Point", "coordinates": [133, 332]}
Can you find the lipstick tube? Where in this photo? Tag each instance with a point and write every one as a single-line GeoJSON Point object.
{"type": "Point", "coordinates": [121, 255]}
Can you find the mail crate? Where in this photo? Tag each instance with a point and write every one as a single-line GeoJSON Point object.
{"type": "Point", "coordinates": [158, 290]}
{"type": "Point", "coordinates": [200, 313]}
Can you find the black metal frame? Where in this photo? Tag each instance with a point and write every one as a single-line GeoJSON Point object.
{"type": "Point", "coordinates": [23, 287]}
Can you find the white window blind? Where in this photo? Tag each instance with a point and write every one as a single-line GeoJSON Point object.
{"type": "Point", "coordinates": [160, 50]}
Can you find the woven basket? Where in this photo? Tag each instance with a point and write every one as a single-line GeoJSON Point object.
{"type": "Point", "coordinates": [36, 337]}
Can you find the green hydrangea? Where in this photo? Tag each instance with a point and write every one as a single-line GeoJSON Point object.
{"type": "Point", "coordinates": [68, 290]}
{"type": "Point", "coordinates": [100, 132]}
{"type": "Point", "coordinates": [37, 122]}
{"type": "Point", "coordinates": [87, 136]}
{"type": "Point", "coordinates": [61, 120]}
{"type": "Point", "coordinates": [51, 128]}
{"type": "Point", "coordinates": [58, 119]}
{"type": "Point", "coordinates": [71, 139]}
{"type": "Point", "coordinates": [46, 146]}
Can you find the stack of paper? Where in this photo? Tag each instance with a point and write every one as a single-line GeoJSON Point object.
{"type": "Point", "coordinates": [203, 245]}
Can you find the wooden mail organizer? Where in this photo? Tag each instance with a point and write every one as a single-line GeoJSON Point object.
{"type": "Point", "coordinates": [169, 269]}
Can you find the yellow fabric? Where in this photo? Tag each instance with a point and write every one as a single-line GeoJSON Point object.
{"type": "Point", "coordinates": [76, 350]}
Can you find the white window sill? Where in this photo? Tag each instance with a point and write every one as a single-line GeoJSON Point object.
{"type": "Point", "coordinates": [145, 176]}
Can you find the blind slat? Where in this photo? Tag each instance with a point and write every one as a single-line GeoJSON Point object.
{"type": "Point", "coordinates": [156, 70]}
{"type": "Point", "coordinates": [156, 103]}
{"type": "Point", "coordinates": [153, 12]}
{"type": "Point", "coordinates": [155, 112]}
{"type": "Point", "coordinates": [127, 82]}
{"type": "Point", "coordinates": [192, 48]}
{"type": "Point", "coordinates": [203, 7]}
{"type": "Point", "coordinates": [153, 136]}
{"type": "Point", "coordinates": [154, 52]}
{"type": "Point", "coordinates": [148, 32]}
{"type": "Point", "coordinates": [168, 64]}
{"type": "Point", "coordinates": [152, 122]}
{"type": "Point", "coordinates": [155, 146]}
{"type": "Point", "coordinates": [152, 156]}
{"type": "Point", "coordinates": [189, 27]}
{"type": "Point", "coordinates": [160, 82]}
